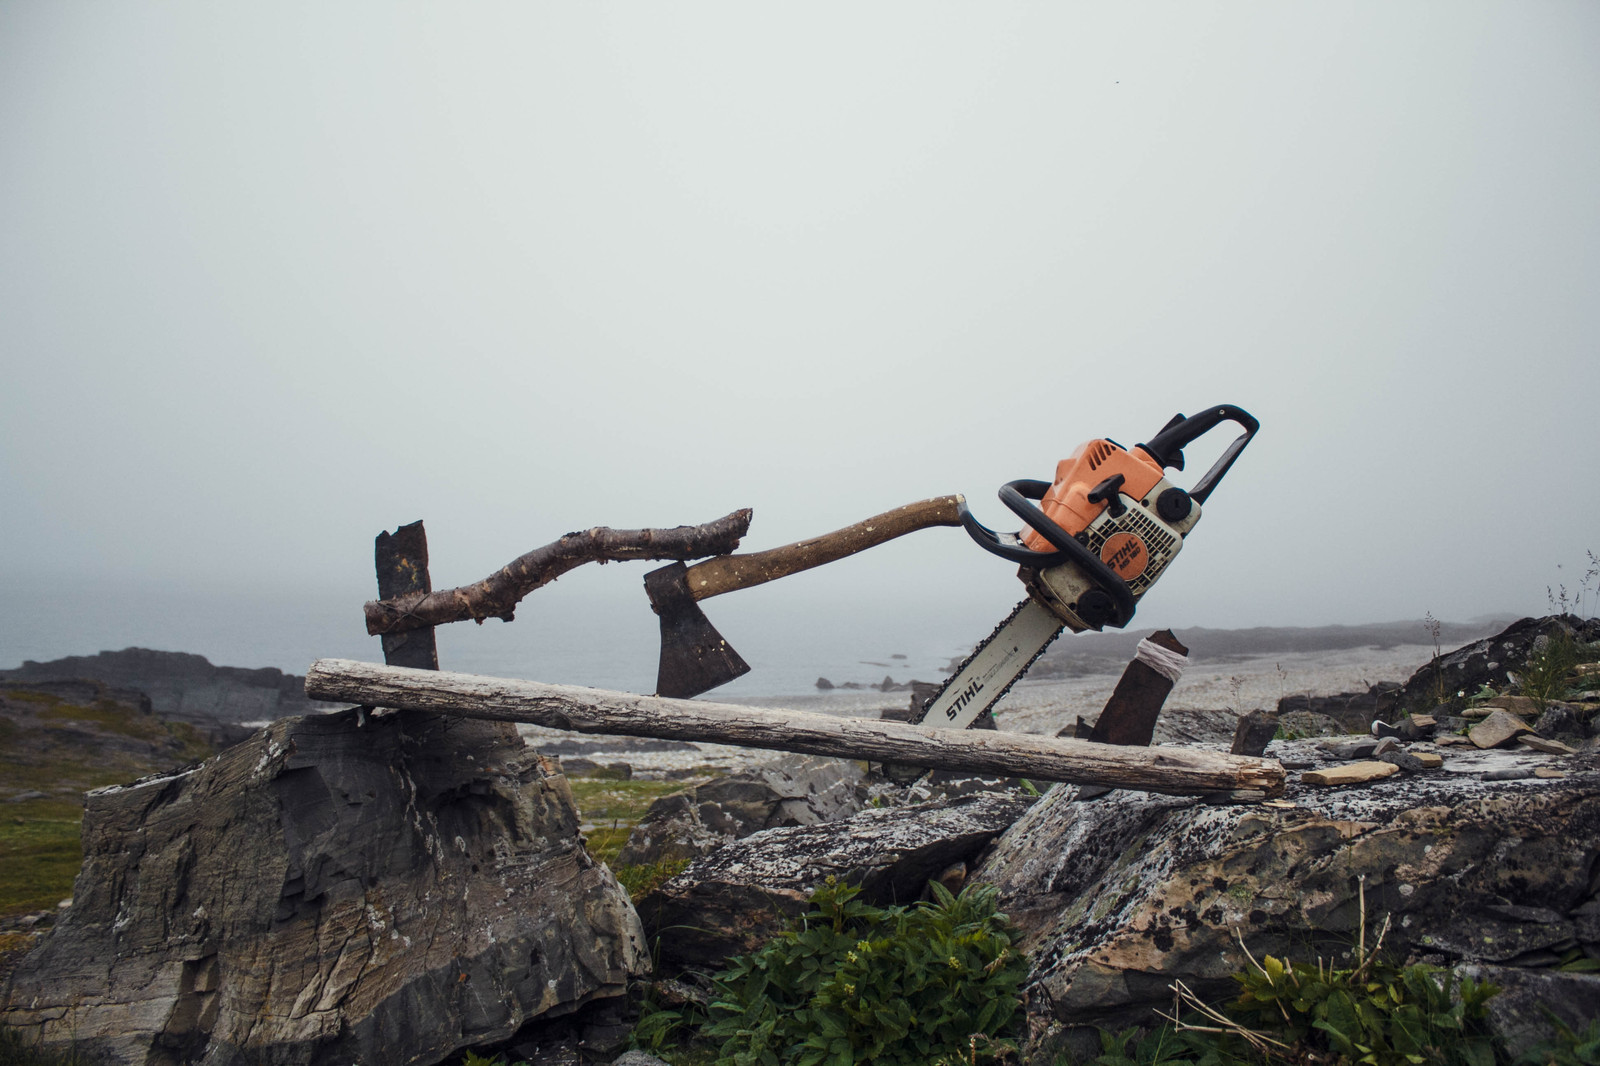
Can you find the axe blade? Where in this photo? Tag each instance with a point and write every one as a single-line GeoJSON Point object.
{"type": "Point", "coordinates": [694, 657]}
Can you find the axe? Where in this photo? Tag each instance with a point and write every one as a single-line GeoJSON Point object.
{"type": "Point", "coordinates": [694, 657]}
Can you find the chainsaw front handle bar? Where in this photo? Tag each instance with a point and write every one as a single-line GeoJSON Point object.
{"type": "Point", "coordinates": [1016, 495]}
{"type": "Point", "coordinates": [1167, 446]}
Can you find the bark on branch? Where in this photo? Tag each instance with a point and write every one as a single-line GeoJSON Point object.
{"type": "Point", "coordinates": [497, 595]}
{"type": "Point", "coordinates": [588, 710]}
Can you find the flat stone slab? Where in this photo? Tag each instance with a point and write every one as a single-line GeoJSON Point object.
{"type": "Point", "coordinates": [1497, 729]}
{"type": "Point", "coordinates": [1354, 773]}
{"type": "Point", "coordinates": [1549, 747]}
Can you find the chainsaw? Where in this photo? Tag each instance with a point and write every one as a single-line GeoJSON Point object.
{"type": "Point", "coordinates": [1098, 538]}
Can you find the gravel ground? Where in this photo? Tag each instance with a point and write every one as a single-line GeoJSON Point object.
{"type": "Point", "coordinates": [1031, 707]}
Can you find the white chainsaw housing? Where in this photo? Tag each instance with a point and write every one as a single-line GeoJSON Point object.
{"type": "Point", "coordinates": [1060, 587]}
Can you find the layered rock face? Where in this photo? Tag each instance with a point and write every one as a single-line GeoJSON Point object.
{"type": "Point", "coordinates": [338, 888]}
{"type": "Point", "coordinates": [1121, 895]}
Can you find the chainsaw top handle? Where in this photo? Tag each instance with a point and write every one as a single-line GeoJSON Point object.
{"type": "Point", "coordinates": [1167, 446]}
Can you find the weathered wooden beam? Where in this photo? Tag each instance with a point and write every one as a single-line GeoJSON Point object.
{"type": "Point", "coordinates": [1130, 715]}
{"type": "Point", "coordinates": [497, 595]}
{"type": "Point", "coordinates": [401, 559]}
{"type": "Point", "coordinates": [585, 710]}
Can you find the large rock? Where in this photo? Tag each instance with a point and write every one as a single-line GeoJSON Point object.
{"type": "Point", "coordinates": [787, 791]}
{"type": "Point", "coordinates": [338, 888]}
{"type": "Point", "coordinates": [1121, 895]}
{"type": "Point", "coordinates": [1354, 711]}
{"type": "Point", "coordinates": [732, 900]}
{"type": "Point", "coordinates": [1460, 673]}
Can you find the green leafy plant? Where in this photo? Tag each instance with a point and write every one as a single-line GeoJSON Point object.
{"type": "Point", "coordinates": [1373, 1014]}
{"type": "Point", "coordinates": [641, 879]}
{"type": "Point", "coordinates": [853, 983]}
{"type": "Point", "coordinates": [1544, 675]}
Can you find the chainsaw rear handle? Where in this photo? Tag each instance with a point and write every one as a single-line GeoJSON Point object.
{"type": "Point", "coordinates": [1016, 495]}
{"type": "Point", "coordinates": [1167, 446]}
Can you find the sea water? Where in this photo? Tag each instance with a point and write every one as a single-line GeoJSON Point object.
{"type": "Point", "coordinates": [560, 634]}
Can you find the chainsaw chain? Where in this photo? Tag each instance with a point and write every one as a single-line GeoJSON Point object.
{"type": "Point", "coordinates": [922, 712]}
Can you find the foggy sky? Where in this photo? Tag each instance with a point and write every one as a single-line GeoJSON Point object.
{"type": "Point", "coordinates": [275, 277]}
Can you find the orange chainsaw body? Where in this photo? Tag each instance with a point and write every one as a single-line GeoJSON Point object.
{"type": "Point", "coordinates": [1067, 503]}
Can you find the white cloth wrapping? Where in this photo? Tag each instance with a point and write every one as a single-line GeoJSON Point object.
{"type": "Point", "coordinates": [1169, 664]}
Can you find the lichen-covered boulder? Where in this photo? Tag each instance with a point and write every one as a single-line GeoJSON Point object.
{"type": "Point", "coordinates": [1121, 895]}
{"type": "Point", "coordinates": [1490, 661]}
{"type": "Point", "coordinates": [734, 899]}
{"type": "Point", "coordinates": [338, 888]}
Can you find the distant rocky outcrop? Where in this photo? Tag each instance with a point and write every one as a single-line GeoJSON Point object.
{"type": "Point", "coordinates": [1095, 653]}
{"type": "Point", "coordinates": [76, 735]}
{"type": "Point", "coordinates": [338, 888]}
{"type": "Point", "coordinates": [186, 687]}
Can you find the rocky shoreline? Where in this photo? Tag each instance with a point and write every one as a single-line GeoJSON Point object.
{"type": "Point", "coordinates": [355, 887]}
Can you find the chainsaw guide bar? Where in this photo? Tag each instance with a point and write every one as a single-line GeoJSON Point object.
{"type": "Point", "coordinates": [996, 664]}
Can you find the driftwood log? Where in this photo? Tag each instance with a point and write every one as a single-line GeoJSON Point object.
{"type": "Point", "coordinates": [586, 710]}
{"type": "Point", "coordinates": [497, 595]}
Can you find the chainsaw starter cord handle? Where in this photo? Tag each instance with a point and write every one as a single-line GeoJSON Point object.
{"type": "Point", "coordinates": [1167, 446]}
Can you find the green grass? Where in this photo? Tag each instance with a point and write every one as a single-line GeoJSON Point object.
{"type": "Point", "coordinates": [611, 808]}
{"type": "Point", "coordinates": [40, 849]}
{"type": "Point", "coordinates": [39, 854]}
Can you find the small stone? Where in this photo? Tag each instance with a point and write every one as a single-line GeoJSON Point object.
{"type": "Point", "coordinates": [1424, 721]}
{"type": "Point", "coordinates": [1507, 775]}
{"type": "Point", "coordinates": [1350, 749]}
{"type": "Point", "coordinates": [1282, 805]}
{"type": "Point", "coordinates": [1403, 759]}
{"type": "Point", "coordinates": [1451, 739]}
{"type": "Point", "coordinates": [1386, 745]}
{"type": "Point", "coordinates": [1354, 773]}
{"type": "Point", "coordinates": [1497, 729]}
{"type": "Point", "coordinates": [1254, 732]}
{"type": "Point", "coordinates": [1475, 713]}
{"type": "Point", "coordinates": [1549, 773]}
{"type": "Point", "coordinates": [1549, 747]}
{"type": "Point", "coordinates": [1430, 760]}
{"type": "Point", "coordinates": [1297, 764]}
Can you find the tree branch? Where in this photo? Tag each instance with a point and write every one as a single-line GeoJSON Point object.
{"type": "Point", "coordinates": [497, 595]}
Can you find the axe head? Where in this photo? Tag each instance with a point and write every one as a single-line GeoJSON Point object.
{"type": "Point", "coordinates": [694, 657]}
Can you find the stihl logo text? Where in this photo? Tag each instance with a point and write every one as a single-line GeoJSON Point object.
{"type": "Point", "coordinates": [965, 698]}
{"type": "Point", "coordinates": [1125, 554]}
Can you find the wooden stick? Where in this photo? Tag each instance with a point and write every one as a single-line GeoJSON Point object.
{"type": "Point", "coordinates": [587, 710]}
{"type": "Point", "coordinates": [497, 595]}
{"type": "Point", "coordinates": [729, 572]}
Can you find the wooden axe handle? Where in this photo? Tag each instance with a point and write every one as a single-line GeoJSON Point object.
{"type": "Point", "coordinates": [725, 573]}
